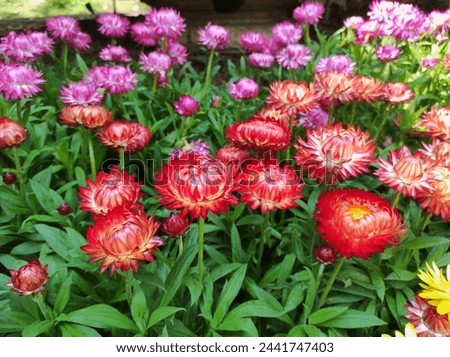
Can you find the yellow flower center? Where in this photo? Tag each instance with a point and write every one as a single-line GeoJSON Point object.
{"type": "Point", "coordinates": [358, 211]}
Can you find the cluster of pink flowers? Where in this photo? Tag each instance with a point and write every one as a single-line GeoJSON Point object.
{"type": "Point", "coordinates": [113, 53]}
{"type": "Point", "coordinates": [214, 37]}
{"type": "Point", "coordinates": [113, 25]}
{"type": "Point", "coordinates": [81, 93]}
{"type": "Point", "coordinates": [186, 106]}
{"type": "Point", "coordinates": [19, 81]}
{"type": "Point", "coordinates": [114, 79]}
{"type": "Point", "coordinates": [67, 29]}
{"type": "Point", "coordinates": [27, 46]}
{"type": "Point", "coordinates": [196, 147]}
{"type": "Point", "coordinates": [244, 88]}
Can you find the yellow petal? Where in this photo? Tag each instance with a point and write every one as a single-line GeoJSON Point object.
{"type": "Point", "coordinates": [443, 307]}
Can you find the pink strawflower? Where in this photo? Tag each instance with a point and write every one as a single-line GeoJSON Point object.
{"type": "Point", "coordinates": [144, 34]}
{"type": "Point", "coordinates": [62, 27]}
{"type": "Point", "coordinates": [215, 101]}
{"type": "Point", "coordinates": [366, 32]}
{"type": "Point", "coordinates": [315, 118]}
{"type": "Point", "coordinates": [114, 54]}
{"type": "Point", "coordinates": [155, 62]}
{"type": "Point", "coordinates": [166, 22]}
{"type": "Point", "coordinates": [387, 53]}
{"type": "Point", "coordinates": [429, 62]}
{"type": "Point", "coordinates": [254, 42]}
{"type": "Point", "coordinates": [80, 41]}
{"type": "Point", "coordinates": [353, 22]}
{"type": "Point", "coordinates": [81, 94]}
{"type": "Point", "coordinates": [294, 56]}
{"type": "Point", "coordinates": [310, 12]}
{"type": "Point", "coordinates": [114, 79]}
{"type": "Point", "coordinates": [186, 106]}
{"type": "Point", "coordinates": [161, 79]}
{"type": "Point", "coordinates": [25, 47]}
{"type": "Point", "coordinates": [244, 88]}
{"type": "Point", "coordinates": [197, 147]}
{"type": "Point", "coordinates": [214, 37]}
{"type": "Point", "coordinates": [336, 63]}
{"type": "Point", "coordinates": [113, 25]}
{"type": "Point", "coordinates": [285, 33]}
{"type": "Point", "coordinates": [261, 60]}
{"type": "Point", "coordinates": [19, 81]}
{"type": "Point", "coordinates": [177, 52]}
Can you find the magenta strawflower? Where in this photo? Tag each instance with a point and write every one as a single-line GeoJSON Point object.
{"type": "Point", "coordinates": [261, 60]}
{"type": "Point", "coordinates": [155, 62]}
{"type": "Point", "coordinates": [62, 27]}
{"type": "Point", "coordinates": [186, 106]}
{"type": "Point", "coordinates": [353, 22]}
{"type": "Point", "coordinates": [25, 47]}
{"type": "Point", "coordinates": [310, 12]}
{"type": "Point", "coordinates": [254, 42]}
{"type": "Point", "coordinates": [19, 81]}
{"type": "Point", "coordinates": [408, 22]}
{"type": "Point", "coordinates": [285, 33]}
{"type": "Point", "coordinates": [214, 37]}
{"type": "Point", "coordinates": [429, 62]}
{"type": "Point", "coordinates": [336, 63]}
{"type": "Point", "coordinates": [197, 147]}
{"type": "Point", "coordinates": [114, 54]}
{"type": "Point", "coordinates": [81, 94]}
{"type": "Point", "coordinates": [177, 52]}
{"type": "Point", "coordinates": [387, 53]}
{"type": "Point", "coordinates": [244, 88]}
{"type": "Point", "coordinates": [294, 56]}
{"type": "Point", "coordinates": [366, 32]}
{"type": "Point", "coordinates": [166, 22]}
{"type": "Point", "coordinates": [144, 34]}
{"type": "Point", "coordinates": [113, 25]}
{"type": "Point", "coordinates": [114, 79]}
{"type": "Point", "coordinates": [80, 41]}
{"type": "Point", "coordinates": [315, 118]}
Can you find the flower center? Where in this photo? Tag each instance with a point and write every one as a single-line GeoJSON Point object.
{"type": "Point", "coordinates": [358, 211]}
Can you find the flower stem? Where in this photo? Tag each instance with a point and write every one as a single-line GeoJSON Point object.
{"type": "Point", "coordinates": [333, 276]}
{"type": "Point", "coordinates": [201, 236]}
{"type": "Point", "coordinates": [425, 222]}
{"type": "Point", "coordinates": [154, 85]}
{"type": "Point", "coordinates": [352, 115]}
{"type": "Point", "coordinates": [383, 122]}
{"type": "Point", "coordinates": [396, 199]}
{"type": "Point", "coordinates": [180, 246]}
{"type": "Point", "coordinates": [208, 73]}
{"type": "Point", "coordinates": [129, 285]}
{"type": "Point", "coordinates": [122, 159]}
{"type": "Point", "coordinates": [39, 300]}
{"type": "Point", "coordinates": [92, 157]}
{"type": "Point", "coordinates": [238, 111]}
{"type": "Point", "coordinates": [65, 53]}
{"type": "Point", "coordinates": [307, 36]}
{"type": "Point", "coordinates": [262, 243]}
{"type": "Point", "coordinates": [19, 171]}
{"type": "Point", "coordinates": [19, 112]}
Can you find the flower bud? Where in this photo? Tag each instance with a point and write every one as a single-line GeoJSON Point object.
{"type": "Point", "coordinates": [9, 178]}
{"type": "Point", "coordinates": [11, 133]}
{"type": "Point", "coordinates": [29, 279]}
{"type": "Point", "coordinates": [175, 225]}
{"type": "Point", "coordinates": [325, 254]}
{"type": "Point", "coordinates": [64, 209]}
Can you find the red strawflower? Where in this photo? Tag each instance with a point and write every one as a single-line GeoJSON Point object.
{"type": "Point", "coordinates": [435, 123]}
{"type": "Point", "coordinates": [325, 254]}
{"type": "Point", "coordinates": [259, 134]}
{"type": "Point", "coordinates": [438, 151]}
{"type": "Point", "coordinates": [291, 98]}
{"type": "Point", "coordinates": [397, 93]}
{"type": "Point", "coordinates": [335, 88]}
{"type": "Point", "coordinates": [196, 185]}
{"type": "Point", "coordinates": [368, 89]}
{"type": "Point", "coordinates": [11, 133]}
{"type": "Point", "coordinates": [130, 137]}
{"type": "Point", "coordinates": [274, 114]}
{"type": "Point", "coordinates": [425, 319]}
{"type": "Point", "coordinates": [175, 225]}
{"type": "Point", "coordinates": [109, 191]}
{"type": "Point", "coordinates": [405, 172]}
{"type": "Point", "coordinates": [91, 116]}
{"type": "Point", "coordinates": [232, 154]}
{"type": "Point", "coordinates": [333, 153]}
{"type": "Point", "coordinates": [268, 186]}
{"type": "Point", "coordinates": [357, 223]}
{"type": "Point", "coordinates": [29, 279]}
{"type": "Point", "coordinates": [122, 238]}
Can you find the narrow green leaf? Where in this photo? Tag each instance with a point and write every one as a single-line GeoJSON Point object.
{"type": "Point", "coordinates": [353, 319]}
{"type": "Point", "coordinates": [63, 296]}
{"type": "Point", "coordinates": [162, 313]}
{"type": "Point", "coordinates": [325, 314]}
{"type": "Point", "coordinates": [138, 304]}
{"type": "Point", "coordinates": [75, 330]}
{"type": "Point", "coordinates": [36, 328]}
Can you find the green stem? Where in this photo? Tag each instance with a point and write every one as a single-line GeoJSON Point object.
{"type": "Point", "coordinates": [307, 36]}
{"type": "Point", "coordinates": [39, 300]}
{"type": "Point", "coordinates": [333, 276]}
{"type": "Point", "coordinates": [383, 122]}
{"type": "Point", "coordinates": [262, 243]}
{"type": "Point", "coordinates": [238, 110]}
{"type": "Point", "coordinates": [19, 112]}
{"type": "Point", "coordinates": [180, 246]}
{"type": "Point", "coordinates": [154, 85]}
{"type": "Point", "coordinates": [92, 156]}
{"type": "Point", "coordinates": [65, 55]}
{"type": "Point", "coordinates": [19, 171]}
{"type": "Point", "coordinates": [352, 115]}
{"type": "Point", "coordinates": [129, 285]}
{"type": "Point", "coordinates": [425, 223]}
{"type": "Point", "coordinates": [208, 74]}
{"type": "Point", "coordinates": [122, 159]}
{"type": "Point", "coordinates": [280, 72]}
{"type": "Point", "coordinates": [201, 236]}
{"type": "Point", "coordinates": [396, 199]}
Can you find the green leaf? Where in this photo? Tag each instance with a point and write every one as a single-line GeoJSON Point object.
{"type": "Point", "coordinates": [36, 328]}
{"type": "Point", "coordinates": [424, 242]}
{"type": "Point", "coordinates": [100, 316]}
{"type": "Point", "coordinates": [240, 324]}
{"type": "Point", "coordinates": [55, 238]}
{"type": "Point", "coordinates": [325, 314]}
{"type": "Point", "coordinates": [229, 292]}
{"type": "Point", "coordinates": [254, 308]}
{"type": "Point", "coordinates": [81, 64]}
{"type": "Point", "coordinates": [237, 252]}
{"type": "Point", "coordinates": [195, 288]}
{"type": "Point", "coordinates": [279, 272]}
{"type": "Point", "coordinates": [162, 313]}
{"type": "Point", "coordinates": [353, 319]}
{"type": "Point", "coordinates": [177, 274]}
{"type": "Point", "coordinates": [138, 303]}
{"type": "Point", "coordinates": [63, 296]}
{"type": "Point", "coordinates": [75, 330]}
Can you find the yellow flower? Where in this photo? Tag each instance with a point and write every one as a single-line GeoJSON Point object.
{"type": "Point", "coordinates": [410, 331]}
{"type": "Point", "coordinates": [436, 288]}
